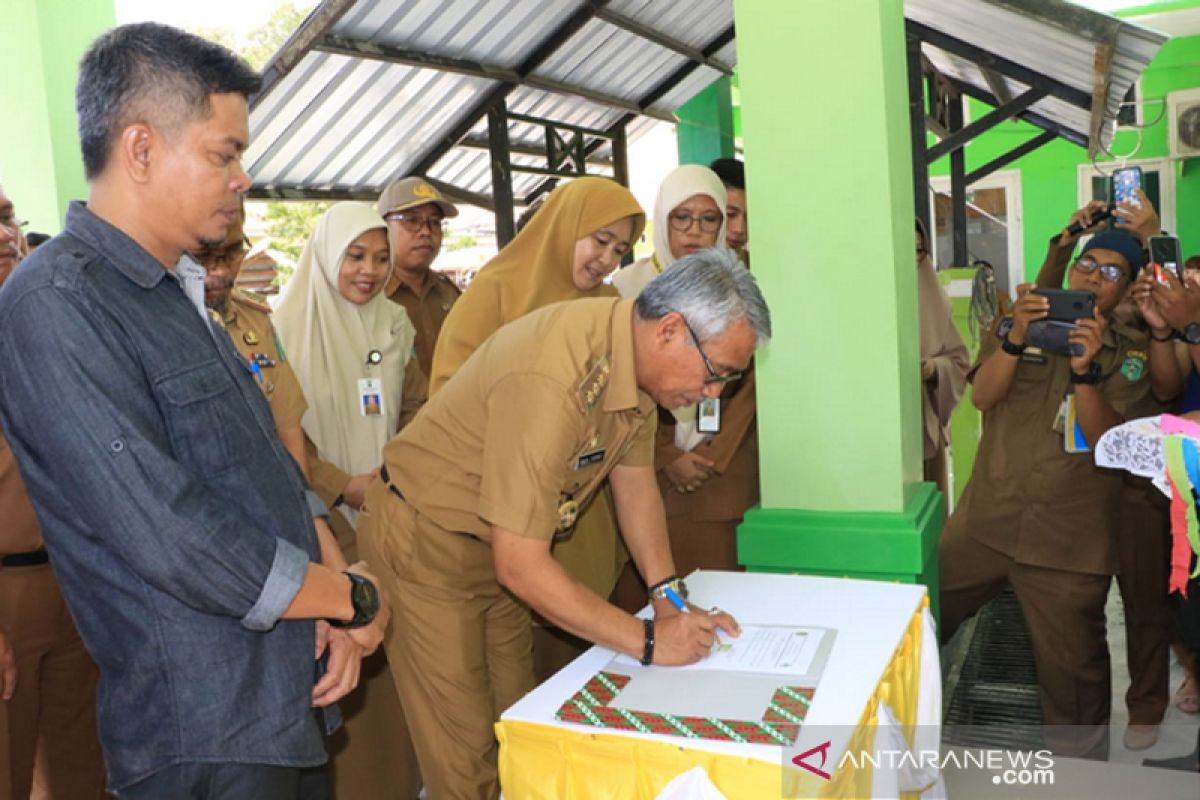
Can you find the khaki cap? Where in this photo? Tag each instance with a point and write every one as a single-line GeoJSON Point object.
{"type": "Point", "coordinates": [411, 192]}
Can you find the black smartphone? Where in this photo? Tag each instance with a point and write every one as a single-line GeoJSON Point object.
{"type": "Point", "coordinates": [1166, 253]}
{"type": "Point", "coordinates": [1068, 305]}
{"type": "Point", "coordinates": [1125, 182]}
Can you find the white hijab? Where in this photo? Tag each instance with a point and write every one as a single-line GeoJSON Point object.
{"type": "Point", "coordinates": [327, 339]}
{"type": "Point", "coordinates": [681, 183]}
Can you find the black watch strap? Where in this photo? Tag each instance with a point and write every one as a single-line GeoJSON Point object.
{"type": "Point", "coordinates": [648, 646]}
{"type": "Point", "coordinates": [364, 599]}
{"type": "Point", "coordinates": [1089, 378]}
{"type": "Point", "coordinates": [1010, 348]}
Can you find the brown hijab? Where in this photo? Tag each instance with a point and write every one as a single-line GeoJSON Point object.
{"type": "Point", "coordinates": [533, 270]}
{"type": "Point", "coordinates": [942, 345]}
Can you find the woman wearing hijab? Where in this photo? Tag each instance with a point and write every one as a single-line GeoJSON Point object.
{"type": "Point", "coordinates": [351, 348]}
{"type": "Point", "coordinates": [944, 362]}
{"type": "Point", "coordinates": [708, 478]}
{"type": "Point", "coordinates": [564, 252]}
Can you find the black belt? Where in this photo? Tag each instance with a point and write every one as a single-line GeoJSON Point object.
{"type": "Point", "coordinates": [383, 473]}
{"type": "Point", "coordinates": [33, 558]}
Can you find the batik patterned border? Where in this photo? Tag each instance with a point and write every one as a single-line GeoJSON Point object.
{"type": "Point", "coordinates": [780, 723]}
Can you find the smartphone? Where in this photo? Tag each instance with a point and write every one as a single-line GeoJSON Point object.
{"type": "Point", "coordinates": [1124, 183]}
{"type": "Point", "coordinates": [1068, 305]}
{"type": "Point", "coordinates": [1166, 253]}
{"type": "Point", "coordinates": [1053, 336]}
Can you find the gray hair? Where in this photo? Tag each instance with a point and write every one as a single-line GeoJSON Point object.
{"type": "Point", "coordinates": [711, 289]}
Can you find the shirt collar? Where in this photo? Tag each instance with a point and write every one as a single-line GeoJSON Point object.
{"type": "Point", "coordinates": [127, 256]}
{"type": "Point", "coordinates": [623, 392]}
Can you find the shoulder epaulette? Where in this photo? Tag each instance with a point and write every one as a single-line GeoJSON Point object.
{"type": "Point", "coordinates": [251, 299]}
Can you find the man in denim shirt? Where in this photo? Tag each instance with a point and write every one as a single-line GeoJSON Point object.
{"type": "Point", "coordinates": [179, 527]}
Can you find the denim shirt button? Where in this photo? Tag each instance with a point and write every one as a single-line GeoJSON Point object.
{"type": "Point", "coordinates": [116, 445]}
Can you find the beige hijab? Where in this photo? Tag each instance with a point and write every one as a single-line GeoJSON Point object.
{"type": "Point", "coordinates": [942, 344]}
{"type": "Point", "coordinates": [533, 270]}
{"type": "Point", "coordinates": [328, 339]}
{"type": "Point", "coordinates": [681, 183]}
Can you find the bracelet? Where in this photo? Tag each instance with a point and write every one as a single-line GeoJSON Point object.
{"type": "Point", "coordinates": [1168, 338]}
{"type": "Point", "coordinates": [648, 648]}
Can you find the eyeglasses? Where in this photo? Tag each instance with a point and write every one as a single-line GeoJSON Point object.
{"type": "Point", "coordinates": [221, 258]}
{"type": "Point", "coordinates": [414, 223]}
{"type": "Point", "coordinates": [1110, 272]}
{"type": "Point", "coordinates": [682, 220]}
{"type": "Point", "coordinates": [714, 377]}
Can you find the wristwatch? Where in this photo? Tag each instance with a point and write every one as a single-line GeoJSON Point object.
{"type": "Point", "coordinates": [1191, 334]}
{"type": "Point", "coordinates": [1011, 348]}
{"type": "Point", "coordinates": [1089, 378]}
{"type": "Point", "coordinates": [364, 598]}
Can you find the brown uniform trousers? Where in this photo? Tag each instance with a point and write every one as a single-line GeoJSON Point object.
{"type": "Point", "coordinates": [371, 755]}
{"type": "Point", "coordinates": [1143, 564]}
{"type": "Point", "coordinates": [51, 718]}
{"type": "Point", "coordinates": [1044, 521]}
{"type": "Point", "coordinates": [703, 524]}
{"type": "Point", "coordinates": [515, 439]}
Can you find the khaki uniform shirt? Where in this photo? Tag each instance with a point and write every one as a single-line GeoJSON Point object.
{"type": "Point", "coordinates": [1027, 497]}
{"type": "Point", "coordinates": [427, 311]}
{"type": "Point", "coordinates": [247, 319]}
{"type": "Point", "coordinates": [532, 423]}
{"type": "Point", "coordinates": [19, 531]}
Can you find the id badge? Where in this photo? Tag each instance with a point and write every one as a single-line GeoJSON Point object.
{"type": "Point", "coordinates": [708, 415]}
{"type": "Point", "coordinates": [1073, 440]}
{"type": "Point", "coordinates": [370, 397]}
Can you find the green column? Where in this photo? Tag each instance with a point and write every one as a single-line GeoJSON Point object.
{"type": "Point", "coordinates": [829, 184]}
{"type": "Point", "coordinates": [705, 130]}
{"type": "Point", "coordinates": [41, 42]}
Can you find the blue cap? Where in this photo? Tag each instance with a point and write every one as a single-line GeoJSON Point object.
{"type": "Point", "coordinates": [1119, 242]}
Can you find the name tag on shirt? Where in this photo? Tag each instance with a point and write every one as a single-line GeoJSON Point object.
{"type": "Point", "coordinates": [370, 397]}
{"type": "Point", "coordinates": [708, 415]}
{"type": "Point", "coordinates": [587, 459]}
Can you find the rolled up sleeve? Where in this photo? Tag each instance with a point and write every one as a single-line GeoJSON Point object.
{"type": "Point", "coordinates": [283, 583]}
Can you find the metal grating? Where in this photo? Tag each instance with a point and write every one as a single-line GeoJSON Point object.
{"type": "Point", "coordinates": [994, 702]}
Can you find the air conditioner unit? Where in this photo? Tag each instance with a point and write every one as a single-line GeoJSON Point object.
{"type": "Point", "coordinates": [1183, 113]}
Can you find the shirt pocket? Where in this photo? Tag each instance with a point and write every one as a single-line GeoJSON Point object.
{"type": "Point", "coordinates": [199, 416]}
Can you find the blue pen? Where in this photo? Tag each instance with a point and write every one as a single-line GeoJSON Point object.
{"type": "Point", "coordinates": [675, 599]}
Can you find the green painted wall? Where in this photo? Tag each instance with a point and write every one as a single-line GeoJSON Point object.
{"type": "Point", "coordinates": [838, 400]}
{"type": "Point", "coordinates": [1048, 175]}
{"type": "Point", "coordinates": [41, 42]}
{"type": "Point", "coordinates": [706, 125]}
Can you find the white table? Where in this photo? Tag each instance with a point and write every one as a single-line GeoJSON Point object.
{"type": "Point", "coordinates": [871, 619]}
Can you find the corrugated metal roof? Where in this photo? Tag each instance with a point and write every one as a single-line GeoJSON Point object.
{"type": "Point", "coordinates": [370, 90]}
{"type": "Point", "coordinates": [339, 125]}
{"type": "Point", "coordinates": [1096, 55]}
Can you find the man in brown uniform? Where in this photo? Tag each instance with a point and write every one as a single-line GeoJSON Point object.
{"type": "Point", "coordinates": [246, 317]}
{"type": "Point", "coordinates": [414, 210]}
{"type": "Point", "coordinates": [51, 714]}
{"type": "Point", "coordinates": [502, 457]}
{"type": "Point", "coordinates": [1143, 535]}
{"type": "Point", "coordinates": [1043, 519]}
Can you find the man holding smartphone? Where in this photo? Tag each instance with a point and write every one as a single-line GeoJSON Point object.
{"type": "Point", "coordinates": [1034, 514]}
